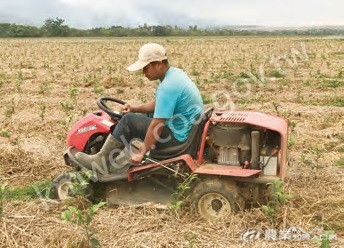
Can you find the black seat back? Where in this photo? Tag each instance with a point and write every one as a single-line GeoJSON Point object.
{"type": "Point", "coordinates": [191, 145]}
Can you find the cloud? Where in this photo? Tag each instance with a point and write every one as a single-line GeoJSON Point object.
{"type": "Point", "coordinates": [28, 11]}
{"type": "Point", "coordinates": [300, 13]}
{"type": "Point", "coordinates": [106, 13]}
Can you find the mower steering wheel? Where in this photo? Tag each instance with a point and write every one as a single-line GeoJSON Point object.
{"type": "Point", "coordinates": [113, 114]}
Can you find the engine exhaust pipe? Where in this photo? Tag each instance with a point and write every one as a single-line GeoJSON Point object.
{"type": "Point", "coordinates": [255, 149]}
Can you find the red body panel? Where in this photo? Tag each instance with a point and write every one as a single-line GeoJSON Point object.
{"type": "Point", "coordinates": [86, 127]}
{"type": "Point", "coordinates": [271, 122]}
{"type": "Point", "coordinates": [201, 149]}
{"type": "Point", "coordinates": [224, 170]}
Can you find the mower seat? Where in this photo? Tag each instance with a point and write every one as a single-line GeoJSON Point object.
{"type": "Point", "coordinates": [191, 145]}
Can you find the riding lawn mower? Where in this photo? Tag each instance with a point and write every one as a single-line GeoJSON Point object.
{"type": "Point", "coordinates": [234, 155]}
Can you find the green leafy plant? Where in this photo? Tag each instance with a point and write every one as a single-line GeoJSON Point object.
{"type": "Point", "coordinates": [19, 81]}
{"type": "Point", "coordinates": [44, 87]}
{"type": "Point", "coordinates": [9, 109]}
{"type": "Point", "coordinates": [1, 83]}
{"type": "Point", "coordinates": [333, 84]}
{"type": "Point", "coordinates": [194, 72]}
{"type": "Point", "coordinates": [67, 106]}
{"type": "Point", "coordinates": [42, 108]}
{"type": "Point", "coordinates": [3, 190]}
{"type": "Point", "coordinates": [5, 133]}
{"type": "Point", "coordinates": [340, 162]}
{"type": "Point", "coordinates": [73, 91]}
{"type": "Point", "coordinates": [244, 75]}
{"type": "Point", "coordinates": [81, 181]}
{"type": "Point", "coordinates": [277, 74]}
{"type": "Point", "coordinates": [318, 153]}
{"type": "Point", "coordinates": [119, 91]}
{"type": "Point", "coordinates": [206, 99]}
{"type": "Point", "coordinates": [285, 113]}
{"type": "Point", "coordinates": [278, 198]}
{"type": "Point", "coordinates": [98, 88]}
{"type": "Point", "coordinates": [83, 219]}
{"type": "Point", "coordinates": [292, 125]}
{"type": "Point", "coordinates": [180, 194]}
{"type": "Point", "coordinates": [291, 141]}
{"type": "Point", "coordinates": [190, 239]}
{"type": "Point", "coordinates": [305, 159]}
{"type": "Point", "coordinates": [86, 79]}
{"type": "Point", "coordinates": [276, 107]}
{"type": "Point", "coordinates": [32, 191]}
{"type": "Point", "coordinates": [325, 239]}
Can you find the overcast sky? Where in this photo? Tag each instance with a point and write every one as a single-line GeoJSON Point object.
{"type": "Point", "coordinates": [204, 13]}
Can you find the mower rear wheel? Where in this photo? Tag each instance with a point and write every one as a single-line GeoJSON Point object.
{"type": "Point", "coordinates": [215, 198]}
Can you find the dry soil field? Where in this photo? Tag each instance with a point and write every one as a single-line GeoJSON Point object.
{"type": "Point", "coordinates": [46, 85]}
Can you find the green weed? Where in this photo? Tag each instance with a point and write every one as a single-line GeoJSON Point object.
{"type": "Point", "coordinates": [180, 194]}
{"type": "Point", "coordinates": [333, 84]}
{"type": "Point", "coordinates": [276, 74]}
{"type": "Point", "coordinates": [42, 110]}
{"type": "Point", "coordinates": [3, 191]}
{"type": "Point", "coordinates": [30, 191]}
{"type": "Point", "coordinates": [19, 81]}
{"type": "Point", "coordinates": [9, 109]}
{"type": "Point", "coordinates": [67, 106]}
{"type": "Point", "coordinates": [83, 219]}
{"type": "Point", "coordinates": [5, 133]}
{"type": "Point", "coordinates": [291, 141]}
{"type": "Point", "coordinates": [278, 198]}
{"type": "Point", "coordinates": [73, 91]}
{"type": "Point", "coordinates": [44, 87]}
{"type": "Point", "coordinates": [206, 99]}
{"type": "Point", "coordinates": [340, 162]}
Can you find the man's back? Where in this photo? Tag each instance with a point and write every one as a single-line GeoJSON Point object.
{"type": "Point", "coordinates": [179, 101]}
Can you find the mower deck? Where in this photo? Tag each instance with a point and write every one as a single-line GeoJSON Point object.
{"type": "Point", "coordinates": [138, 192]}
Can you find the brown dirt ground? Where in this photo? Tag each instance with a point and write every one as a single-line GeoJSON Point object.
{"type": "Point", "coordinates": [37, 74]}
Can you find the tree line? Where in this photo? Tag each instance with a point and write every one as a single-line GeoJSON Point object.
{"type": "Point", "coordinates": [57, 28]}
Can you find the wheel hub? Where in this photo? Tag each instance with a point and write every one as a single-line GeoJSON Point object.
{"type": "Point", "coordinates": [64, 190]}
{"type": "Point", "coordinates": [214, 206]}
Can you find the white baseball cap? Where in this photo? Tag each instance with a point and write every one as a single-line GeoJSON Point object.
{"type": "Point", "coordinates": [148, 53]}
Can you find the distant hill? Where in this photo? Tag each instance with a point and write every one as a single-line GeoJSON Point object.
{"type": "Point", "coordinates": [268, 28]}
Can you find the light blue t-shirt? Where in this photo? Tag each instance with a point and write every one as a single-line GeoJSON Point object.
{"type": "Point", "coordinates": [178, 100]}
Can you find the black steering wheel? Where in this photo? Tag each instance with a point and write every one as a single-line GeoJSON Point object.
{"type": "Point", "coordinates": [113, 114]}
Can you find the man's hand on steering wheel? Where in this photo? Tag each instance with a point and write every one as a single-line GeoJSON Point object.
{"type": "Point", "coordinates": [115, 115]}
{"type": "Point", "coordinates": [126, 108]}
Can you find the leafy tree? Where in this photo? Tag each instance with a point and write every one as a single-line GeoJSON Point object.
{"type": "Point", "coordinates": [160, 31]}
{"type": "Point", "coordinates": [55, 27]}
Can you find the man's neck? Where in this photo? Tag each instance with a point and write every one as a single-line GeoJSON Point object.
{"type": "Point", "coordinates": [165, 69]}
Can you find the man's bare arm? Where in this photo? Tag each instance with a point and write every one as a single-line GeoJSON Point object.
{"type": "Point", "coordinates": [144, 108]}
{"type": "Point", "coordinates": [153, 134]}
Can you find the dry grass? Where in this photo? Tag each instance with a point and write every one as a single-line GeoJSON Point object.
{"type": "Point", "coordinates": [36, 73]}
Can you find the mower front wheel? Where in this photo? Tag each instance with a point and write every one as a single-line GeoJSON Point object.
{"type": "Point", "coordinates": [66, 188]}
{"type": "Point", "coordinates": [215, 198]}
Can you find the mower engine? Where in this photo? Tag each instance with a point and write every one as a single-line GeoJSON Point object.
{"type": "Point", "coordinates": [231, 143]}
{"type": "Point", "coordinates": [244, 145]}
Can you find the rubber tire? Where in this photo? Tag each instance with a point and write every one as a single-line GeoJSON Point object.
{"type": "Point", "coordinates": [59, 185]}
{"type": "Point", "coordinates": [212, 193]}
{"type": "Point", "coordinates": [63, 183]}
{"type": "Point", "coordinates": [64, 189]}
